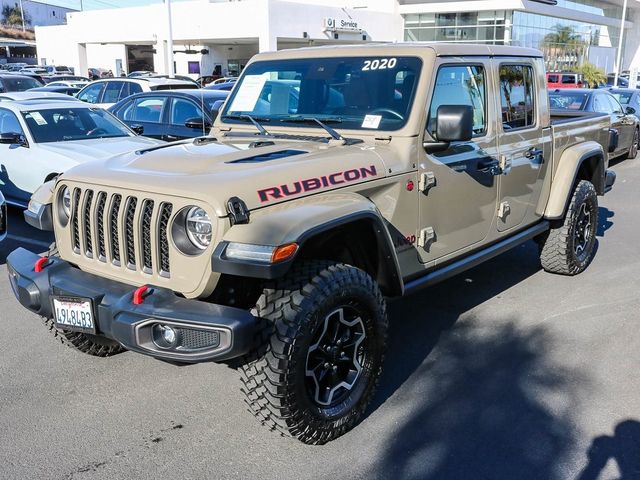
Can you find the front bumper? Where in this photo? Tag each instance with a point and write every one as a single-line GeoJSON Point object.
{"type": "Point", "coordinates": [117, 317]}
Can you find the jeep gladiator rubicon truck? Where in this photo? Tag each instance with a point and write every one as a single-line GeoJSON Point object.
{"type": "Point", "coordinates": [333, 179]}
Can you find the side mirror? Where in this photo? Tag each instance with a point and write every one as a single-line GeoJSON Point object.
{"type": "Point", "coordinates": [614, 139]}
{"type": "Point", "coordinates": [197, 123]}
{"type": "Point", "coordinates": [137, 129]}
{"type": "Point", "coordinates": [215, 109]}
{"type": "Point", "coordinates": [631, 110]}
{"type": "Point", "coordinates": [12, 138]}
{"type": "Point", "coordinates": [453, 123]}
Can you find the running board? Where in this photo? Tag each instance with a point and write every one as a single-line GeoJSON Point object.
{"type": "Point", "coordinates": [476, 258]}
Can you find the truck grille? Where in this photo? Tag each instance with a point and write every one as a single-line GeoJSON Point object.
{"type": "Point", "coordinates": [121, 230]}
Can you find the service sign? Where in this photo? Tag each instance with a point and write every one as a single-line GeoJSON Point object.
{"type": "Point", "coordinates": [334, 25]}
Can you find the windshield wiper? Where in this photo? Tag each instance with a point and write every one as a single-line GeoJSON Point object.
{"type": "Point", "coordinates": [253, 120]}
{"type": "Point", "coordinates": [335, 135]}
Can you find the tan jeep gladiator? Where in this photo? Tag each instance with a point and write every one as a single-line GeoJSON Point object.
{"type": "Point", "coordinates": [333, 180]}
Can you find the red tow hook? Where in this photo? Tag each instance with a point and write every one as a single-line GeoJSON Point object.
{"type": "Point", "coordinates": [41, 263]}
{"type": "Point", "coordinates": [141, 293]}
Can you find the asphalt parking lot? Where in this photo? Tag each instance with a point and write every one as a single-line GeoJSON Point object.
{"type": "Point", "coordinates": [505, 372]}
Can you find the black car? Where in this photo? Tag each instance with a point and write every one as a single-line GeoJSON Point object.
{"type": "Point", "coordinates": [628, 97]}
{"type": "Point", "coordinates": [171, 114]}
{"type": "Point", "coordinates": [10, 82]}
{"type": "Point", "coordinates": [571, 101]}
{"type": "Point", "coordinates": [66, 90]}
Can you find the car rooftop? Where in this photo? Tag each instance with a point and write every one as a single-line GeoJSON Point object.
{"type": "Point", "coordinates": [44, 104]}
{"type": "Point", "coordinates": [152, 80]}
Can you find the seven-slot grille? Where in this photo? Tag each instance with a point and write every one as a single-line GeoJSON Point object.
{"type": "Point", "coordinates": [121, 230]}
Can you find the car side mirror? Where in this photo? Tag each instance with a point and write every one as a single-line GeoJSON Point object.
{"type": "Point", "coordinates": [137, 129]}
{"type": "Point", "coordinates": [12, 138]}
{"type": "Point", "coordinates": [215, 109]}
{"type": "Point", "coordinates": [453, 123]}
{"type": "Point", "coordinates": [631, 110]}
{"type": "Point", "coordinates": [197, 123]}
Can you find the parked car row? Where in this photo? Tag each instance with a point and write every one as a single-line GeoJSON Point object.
{"type": "Point", "coordinates": [575, 80]}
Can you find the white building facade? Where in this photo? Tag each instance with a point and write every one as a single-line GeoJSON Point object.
{"type": "Point", "coordinates": [219, 37]}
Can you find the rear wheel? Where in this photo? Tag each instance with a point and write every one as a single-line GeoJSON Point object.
{"type": "Point", "coordinates": [568, 248]}
{"type": "Point", "coordinates": [317, 367]}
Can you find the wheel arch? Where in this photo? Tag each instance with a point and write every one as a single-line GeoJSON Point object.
{"type": "Point", "coordinates": [583, 162]}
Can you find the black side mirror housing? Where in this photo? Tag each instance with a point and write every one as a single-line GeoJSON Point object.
{"type": "Point", "coordinates": [138, 129]}
{"type": "Point", "coordinates": [215, 109]}
{"type": "Point", "coordinates": [631, 110]}
{"type": "Point", "coordinates": [197, 123]}
{"type": "Point", "coordinates": [453, 123]}
{"type": "Point", "coordinates": [614, 139]}
{"type": "Point", "coordinates": [12, 138]}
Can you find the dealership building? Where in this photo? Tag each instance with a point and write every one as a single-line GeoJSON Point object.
{"type": "Point", "coordinates": [219, 37]}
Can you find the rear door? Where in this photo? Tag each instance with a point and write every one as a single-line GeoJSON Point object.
{"type": "Point", "coordinates": [524, 140]}
{"type": "Point", "coordinates": [17, 176]}
{"type": "Point", "coordinates": [458, 198]}
{"type": "Point", "coordinates": [183, 109]}
{"type": "Point", "coordinates": [147, 112]}
{"type": "Point", "coordinates": [601, 104]}
{"type": "Point", "coordinates": [627, 122]}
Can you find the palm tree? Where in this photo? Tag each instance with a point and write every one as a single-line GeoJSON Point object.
{"type": "Point", "coordinates": [12, 16]}
{"type": "Point", "coordinates": [563, 46]}
{"type": "Point", "coordinates": [592, 75]}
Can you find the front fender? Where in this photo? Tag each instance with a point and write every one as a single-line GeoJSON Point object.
{"type": "Point", "coordinates": [566, 174]}
{"type": "Point", "coordinates": [299, 221]}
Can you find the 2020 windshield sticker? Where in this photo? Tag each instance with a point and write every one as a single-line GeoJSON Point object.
{"type": "Point", "coordinates": [380, 64]}
{"type": "Point", "coordinates": [248, 93]}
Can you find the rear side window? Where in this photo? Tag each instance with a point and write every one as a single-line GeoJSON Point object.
{"type": "Point", "coordinates": [552, 78]}
{"type": "Point", "coordinates": [569, 79]}
{"type": "Point", "coordinates": [460, 85]}
{"type": "Point", "coordinates": [517, 100]}
{"type": "Point", "coordinates": [183, 110]}
{"type": "Point", "coordinates": [601, 105]}
{"type": "Point", "coordinates": [112, 92]}
{"type": "Point", "coordinates": [615, 105]}
{"type": "Point", "coordinates": [91, 94]}
{"type": "Point", "coordinates": [134, 88]}
{"type": "Point", "coordinates": [147, 109]}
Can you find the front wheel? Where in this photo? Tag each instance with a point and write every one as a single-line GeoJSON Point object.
{"type": "Point", "coordinates": [325, 333]}
{"type": "Point", "coordinates": [633, 150]}
{"type": "Point", "coordinates": [568, 248]}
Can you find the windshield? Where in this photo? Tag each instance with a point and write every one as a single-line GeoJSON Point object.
{"type": "Point", "coordinates": [568, 101]}
{"type": "Point", "coordinates": [356, 92]}
{"type": "Point", "coordinates": [66, 124]}
{"type": "Point", "coordinates": [18, 84]}
{"type": "Point", "coordinates": [623, 98]}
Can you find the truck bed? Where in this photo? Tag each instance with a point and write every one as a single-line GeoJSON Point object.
{"type": "Point", "coordinates": [570, 128]}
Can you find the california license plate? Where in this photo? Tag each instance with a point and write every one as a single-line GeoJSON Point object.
{"type": "Point", "coordinates": [72, 313]}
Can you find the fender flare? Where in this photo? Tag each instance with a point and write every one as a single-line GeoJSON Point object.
{"type": "Point", "coordinates": [566, 175]}
{"type": "Point", "coordinates": [300, 221]}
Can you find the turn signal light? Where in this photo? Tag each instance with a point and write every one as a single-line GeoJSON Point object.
{"type": "Point", "coordinates": [284, 252]}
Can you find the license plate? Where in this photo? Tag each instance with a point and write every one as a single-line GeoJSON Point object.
{"type": "Point", "coordinates": [72, 313]}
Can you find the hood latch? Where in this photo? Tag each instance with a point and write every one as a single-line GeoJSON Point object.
{"type": "Point", "coordinates": [238, 211]}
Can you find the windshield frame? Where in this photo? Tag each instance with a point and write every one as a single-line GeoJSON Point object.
{"type": "Point", "coordinates": [37, 138]}
{"type": "Point", "coordinates": [337, 121]}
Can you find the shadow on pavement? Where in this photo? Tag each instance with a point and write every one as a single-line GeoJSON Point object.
{"type": "Point", "coordinates": [623, 447]}
{"type": "Point", "coordinates": [479, 413]}
{"type": "Point", "coordinates": [604, 222]}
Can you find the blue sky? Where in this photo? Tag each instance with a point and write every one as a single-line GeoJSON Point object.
{"type": "Point", "coordinates": [101, 4]}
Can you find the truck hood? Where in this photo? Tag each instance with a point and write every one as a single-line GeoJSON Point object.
{"type": "Point", "coordinates": [213, 172]}
{"type": "Point", "coordinates": [97, 148]}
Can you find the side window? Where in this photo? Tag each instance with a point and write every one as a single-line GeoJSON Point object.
{"type": "Point", "coordinates": [9, 122]}
{"type": "Point", "coordinates": [147, 109]}
{"type": "Point", "coordinates": [570, 79]}
{"type": "Point", "coordinates": [460, 85]}
{"type": "Point", "coordinates": [552, 78]}
{"type": "Point", "coordinates": [517, 101]}
{"type": "Point", "coordinates": [134, 88]}
{"type": "Point", "coordinates": [615, 105]}
{"type": "Point", "coordinates": [125, 112]}
{"type": "Point", "coordinates": [601, 105]}
{"type": "Point", "coordinates": [124, 93]}
{"type": "Point", "coordinates": [91, 94]}
{"type": "Point", "coordinates": [183, 110]}
{"type": "Point", "coordinates": [112, 92]}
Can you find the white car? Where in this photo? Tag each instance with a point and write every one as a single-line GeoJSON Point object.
{"type": "Point", "coordinates": [30, 95]}
{"type": "Point", "coordinates": [41, 139]}
{"type": "Point", "coordinates": [109, 91]}
{"type": "Point", "coordinates": [68, 83]}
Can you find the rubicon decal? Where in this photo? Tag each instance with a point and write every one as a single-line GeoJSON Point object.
{"type": "Point", "coordinates": [310, 184]}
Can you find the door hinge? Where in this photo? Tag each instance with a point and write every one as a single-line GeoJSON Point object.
{"type": "Point", "coordinates": [503, 211]}
{"type": "Point", "coordinates": [427, 181]}
{"type": "Point", "coordinates": [426, 238]}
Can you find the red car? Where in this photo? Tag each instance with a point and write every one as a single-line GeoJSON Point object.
{"type": "Point", "coordinates": [564, 80]}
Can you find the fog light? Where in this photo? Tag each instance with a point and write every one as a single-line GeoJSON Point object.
{"type": "Point", "coordinates": [165, 336]}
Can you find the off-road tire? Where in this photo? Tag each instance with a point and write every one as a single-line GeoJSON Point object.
{"type": "Point", "coordinates": [83, 342]}
{"type": "Point", "coordinates": [558, 246]}
{"type": "Point", "coordinates": [293, 310]}
{"type": "Point", "coordinates": [633, 149]}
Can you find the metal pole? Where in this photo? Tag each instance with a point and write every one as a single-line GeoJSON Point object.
{"type": "Point", "coordinates": [619, 53]}
{"type": "Point", "coordinates": [172, 72]}
{"type": "Point", "coordinates": [22, 15]}
{"type": "Point", "coordinates": [81, 9]}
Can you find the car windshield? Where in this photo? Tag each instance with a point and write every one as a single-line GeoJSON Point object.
{"type": "Point", "coordinates": [568, 101]}
{"type": "Point", "coordinates": [623, 98]}
{"type": "Point", "coordinates": [18, 84]}
{"type": "Point", "coordinates": [67, 124]}
{"type": "Point", "coordinates": [355, 92]}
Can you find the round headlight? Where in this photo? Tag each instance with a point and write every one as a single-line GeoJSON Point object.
{"type": "Point", "coordinates": [198, 226]}
{"type": "Point", "coordinates": [66, 201]}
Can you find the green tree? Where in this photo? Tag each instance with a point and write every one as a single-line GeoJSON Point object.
{"type": "Point", "coordinates": [11, 16]}
{"type": "Point", "coordinates": [591, 75]}
{"type": "Point", "coordinates": [563, 47]}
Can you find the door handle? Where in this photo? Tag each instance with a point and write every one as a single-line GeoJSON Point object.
{"type": "Point", "coordinates": [172, 138]}
{"type": "Point", "coordinates": [491, 166]}
{"type": "Point", "coordinates": [533, 152]}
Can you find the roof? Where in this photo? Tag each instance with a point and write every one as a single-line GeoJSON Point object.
{"type": "Point", "coordinates": [150, 80]}
{"type": "Point", "coordinates": [440, 49]}
{"type": "Point", "coordinates": [39, 104]}
{"type": "Point", "coordinates": [37, 95]}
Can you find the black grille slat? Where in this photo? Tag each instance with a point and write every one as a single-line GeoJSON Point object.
{"type": "Point", "coordinates": [129, 231]}
{"type": "Point", "coordinates": [100, 207]}
{"type": "Point", "coordinates": [86, 223]}
{"type": "Point", "coordinates": [75, 230]}
{"type": "Point", "coordinates": [113, 227]}
{"type": "Point", "coordinates": [163, 227]}
{"type": "Point", "coordinates": [147, 212]}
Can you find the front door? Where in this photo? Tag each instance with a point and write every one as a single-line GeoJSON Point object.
{"type": "Point", "coordinates": [17, 180]}
{"type": "Point", "coordinates": [459, 191]}
{"type": "Point", "coordinates": [524, 143]}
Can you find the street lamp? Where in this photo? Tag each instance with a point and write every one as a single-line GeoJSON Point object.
{"type": "Point", "coordinates": [619, 52]}
{"type": "Point", "coordinates": [171, 72]}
